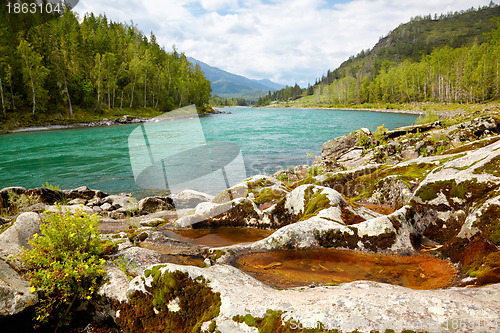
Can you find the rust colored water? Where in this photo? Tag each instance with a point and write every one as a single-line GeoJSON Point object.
{"type": "Point", "coordinates": [286, 269]}
{"type": "Point", "coordinates": [223, 236]}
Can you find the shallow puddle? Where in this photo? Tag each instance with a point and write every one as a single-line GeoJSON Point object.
{"type": "Point", "coordinates": [286, 269]}
{"type": "Point", "coordinates": [223, 236]}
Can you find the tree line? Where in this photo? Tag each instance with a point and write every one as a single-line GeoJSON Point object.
{"type": "Point", "coordinates": [463, 75]}
{"type": "Point", "coordinates": [448, 58]}
{"type": "Point", "coordinates": [96, 64]}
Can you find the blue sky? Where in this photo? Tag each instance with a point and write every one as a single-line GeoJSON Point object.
{"type": "Point", "coordinates": [286, 41]}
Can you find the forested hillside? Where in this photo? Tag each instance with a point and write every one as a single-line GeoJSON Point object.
{"type": "Point", "coordinates": [448, 58]}
{"type": "Point", "coordinates": [65, 67]}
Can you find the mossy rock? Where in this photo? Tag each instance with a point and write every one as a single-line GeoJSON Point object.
{"type": "Point", "coordinates": [489, 223]}
{"type": "Point", "coordinates": [467, 191]}
{"type": "Point", "coordinates": [152, 312]}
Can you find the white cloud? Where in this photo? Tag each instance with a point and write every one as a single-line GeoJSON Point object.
{"type": "Point", "coordinates": [286, 41]}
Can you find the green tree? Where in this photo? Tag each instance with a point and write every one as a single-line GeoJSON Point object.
{"type": "Point", "coordinates": [34, 73]}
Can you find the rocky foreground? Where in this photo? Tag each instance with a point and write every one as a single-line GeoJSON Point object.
{"type": "Point", "coordinates": [431, 188]}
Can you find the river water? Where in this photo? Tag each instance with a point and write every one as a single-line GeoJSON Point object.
{"type": "Point", "coordinates": [102, 157]}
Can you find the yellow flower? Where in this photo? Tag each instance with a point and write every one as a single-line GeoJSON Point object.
{"type": "Point", "coordinates": [35, 235]}
{"type": "Point", "coordinates": [33, 289]}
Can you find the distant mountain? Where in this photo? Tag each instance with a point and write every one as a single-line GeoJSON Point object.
{"type": "Point", "coordinates": [228, 85]}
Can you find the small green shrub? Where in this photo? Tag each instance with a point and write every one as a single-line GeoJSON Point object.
{"type": "Point", "coordinates": [64, 264]}
{"type": "Point", "coordinates": [123, 264]}
{"type": "Point", "coordinates": [315, 170]}
{"type": "Point", "coordinates": [19, 203]}
{"type": "Point", "coordinates": [380, 134]}
{"type": "Point", "coordinates": [51, 187]}
{"type": "Point", "coordinates": [363, 140]}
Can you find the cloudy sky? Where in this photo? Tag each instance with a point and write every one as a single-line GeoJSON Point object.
{"type": "Point", "coordinates": [286, 41]}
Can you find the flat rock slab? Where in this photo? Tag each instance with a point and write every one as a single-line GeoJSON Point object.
{"type": "Point", "coordinates": [358, 305]}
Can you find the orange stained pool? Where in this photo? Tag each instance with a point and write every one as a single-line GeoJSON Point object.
{"type": "Point", "coordinates": [223, 236]}
{"type": "Point", "coordinates": [289, 268]}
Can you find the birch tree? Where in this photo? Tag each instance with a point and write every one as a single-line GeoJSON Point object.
{"type": "Point", "coordinates": [34, 74]}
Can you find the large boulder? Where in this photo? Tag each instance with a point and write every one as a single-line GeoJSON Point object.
{"type": "Point", "coordinates": [47, 195]}
{"type": "Point", "coordinates": [452, 192]}
{"type": "Point", "coordinates": [16, 236]}
{"type": "Point", "coordinates": [155, 204]}
{"type": "Point", "coordinates": [83, 192]}
{"type": "Point", "coordinates": [190, 199]}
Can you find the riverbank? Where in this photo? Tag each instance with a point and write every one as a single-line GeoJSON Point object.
{"type": "Point", "coordinates": [444, 110]}
{"type": "Point", "coordinates": [414, 112]}
{"type": "Point", "coordinates": [123, 120]}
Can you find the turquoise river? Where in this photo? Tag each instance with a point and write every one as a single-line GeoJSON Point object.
{"type": "Point", "coordinates": [99, 157]}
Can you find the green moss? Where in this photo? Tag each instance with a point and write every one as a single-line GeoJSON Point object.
{"type": "Point", "coordinates": [364, 186]}
{"type": "Point", "coordinates": [492, 167]}
{"type": "Point", "coordinates": [489, 223]}
{"type": "Point", "coordinates": [212, 327]}
{"type": "Point", "coordinates": [306, 181]}
{"type": "Point", "coordinates": [273, 323]}
{"type": "Point", "coordinates": [268, 195]}
{"type": "Point", "coordinates": [314, 203]}
{"type": "Point", "coordinates": [142, 236]}
{"type": "Point", "coordinates": [363, 140]}
{"type": "Point", "coordinates": [217, 254]}
{"type": "Point", "coordinates": [150, 312]}
{"type": "Point", "coordinates": [315, 171]}
{"type": "Point", "coordinates": [468, 190]}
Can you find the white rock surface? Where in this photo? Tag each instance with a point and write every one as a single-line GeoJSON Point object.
{"type": "Point", "coordinates": [15, 292]}
{"type": "Point", "coordinates": [363, 305]}
{"type": "Point", "coordinates": [16, 236]}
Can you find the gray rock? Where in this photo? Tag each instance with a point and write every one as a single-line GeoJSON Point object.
{"type": "Point", "coordinates": [124, 202]}
{"type": "Point", "coordinates": [84, 192]}
{"type": "Point", "coordinates": [335, 148]}
{"type": "Point", "coordinates": [154, 204]}
{"type": "Point", "coordinates": [15, 292]}
{"type": "Point", "coordinates": [71, 208]}
{"type": "Point", "coordinates": [16, 236]}
{"type": "Point", "coordinates": [106, 207]}
{"type": "Point", "coordinates": [411, 129]}
{"type": "Point", "coordinates": [134, 260]}
{"type": "Point", "coordinates": [78, 201]}
{"type": "Point", "coordinates": [409, 154]}
{"type": "Point", "coordinates": [440, 203]}
{"type": "Point", "coordinates": [190, 199]}
{"type": "Point", "coordinates": [391, 191]}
